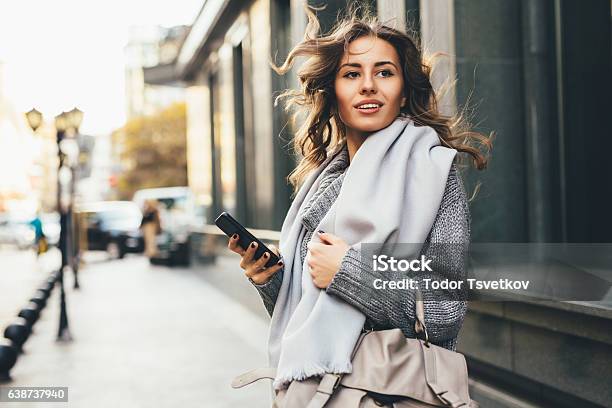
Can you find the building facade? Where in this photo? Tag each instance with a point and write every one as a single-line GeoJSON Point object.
{"type": "Point", "coordinates": [150, 46]}
{"type": "Point", "coordinates": [535, 72]}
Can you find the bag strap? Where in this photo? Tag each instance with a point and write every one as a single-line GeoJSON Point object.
{"type": "Point", "coordinates": [429, 358]}
{"type": "Point", "coordinates": [329, 382]}
{"type": "Point", "coordinates": [254, 375]}
{"type": "Point", "coordinates": [325, 390]}
{"type": "Point", "coordinates": [447, 397]}
{"type": "Point", "coordinates": [419, 321]}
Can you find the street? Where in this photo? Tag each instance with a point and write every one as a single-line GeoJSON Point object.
{"type": "Point", "coordinates": [143, 336]}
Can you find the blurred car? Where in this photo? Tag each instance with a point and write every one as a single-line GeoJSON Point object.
{"type": "Point", "coordinates": [177, 212]}
{"type": "Point", "coordinates": [113, 226]}
{"type": "Point", "coordinates": [16, 230]}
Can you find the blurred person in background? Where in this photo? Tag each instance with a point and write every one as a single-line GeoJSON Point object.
{"type": "Point", "coordinates": [40, 240]}
{"type": "Point", "coordinates": [151, 227]}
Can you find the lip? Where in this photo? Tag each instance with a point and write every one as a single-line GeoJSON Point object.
{"type": "Point", "coordinates": [371, 110]}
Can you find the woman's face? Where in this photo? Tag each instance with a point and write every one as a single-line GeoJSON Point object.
{"type": "Point", "coordinates": [369, 85]}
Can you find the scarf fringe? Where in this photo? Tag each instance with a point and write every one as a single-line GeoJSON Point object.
{"type": "Point", "coordinates": [283, 380]}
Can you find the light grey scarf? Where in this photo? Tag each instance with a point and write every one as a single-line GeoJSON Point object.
{"type": "Point", "coordinates": [391, 193]}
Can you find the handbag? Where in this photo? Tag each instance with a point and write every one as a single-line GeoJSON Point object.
{"type": "Point", "coordinates": [389, 370]}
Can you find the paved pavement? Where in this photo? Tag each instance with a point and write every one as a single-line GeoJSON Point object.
{"type": "Point", "coordinates": [143, 336]}
{"type": "Point", "coordinates": [20, 274]}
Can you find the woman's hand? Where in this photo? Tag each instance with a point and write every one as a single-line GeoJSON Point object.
{"type": "Point", "coordinates": [254, 269]}
{"type": "Point", "coordinates": [325, 259]}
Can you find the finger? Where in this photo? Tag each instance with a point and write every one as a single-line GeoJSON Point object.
{"type": "Point", "coordinates": [327, 237]}
{"type": "Point", "coordinates": [314, 246]}
{"type": "Point", "coordinates": [263, 260]}
{"type": "Point", "coordinates": [268, 272]}
{"type": "Point", "coordinates": [311, 264]}
{"type": "Point", "coordinates": [252, 271]}
{"type": "Point", "coordinates": [247, 258]}
{"type": "Point", "coordinates": [233, 245]}
{"type": "Point", "coordinates": [256, 269]}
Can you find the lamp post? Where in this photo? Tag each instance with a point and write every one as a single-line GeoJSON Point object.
{"type": "Point", "coordinates": [66, 127]}
{"type": "Point", "coordinates": [63, 202]}
{"type": "Point", "coordinates": [74, 118]}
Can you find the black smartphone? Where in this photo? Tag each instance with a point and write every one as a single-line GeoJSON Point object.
{"type": "Point", "coordinates": [230, 226]}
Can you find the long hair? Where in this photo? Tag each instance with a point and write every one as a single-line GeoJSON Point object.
{"type": "Point", "coordinates": [321, 128]}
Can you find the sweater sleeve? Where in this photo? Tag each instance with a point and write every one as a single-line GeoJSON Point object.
{"type": "Point", "coordinates": [269, 291]}
{"type": "Point", "coordinates": [395, 308]}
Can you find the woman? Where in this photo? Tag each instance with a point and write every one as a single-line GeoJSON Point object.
{"type": "Point", "coordinates": [377, 167]}
{"type": "Point", "coordinates": [151, 227]}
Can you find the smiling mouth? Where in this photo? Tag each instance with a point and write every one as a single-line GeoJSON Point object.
{"type": "Point", "coordinates": [369, 107]}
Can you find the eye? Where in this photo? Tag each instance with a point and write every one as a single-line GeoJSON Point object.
{"type": "Point", "coordinates": [351, 75]}
{"type": "Point", "coordinates": [385, 73]}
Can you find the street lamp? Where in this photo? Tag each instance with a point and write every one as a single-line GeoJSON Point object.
{"type": "Point", "coordinates": [61, 124]}
{"type": "Point", "coordinates": [75, 117]}
{"type": "Point", "coordinates": [34, 118]}
{"type": "Point", "coordinates": [70, 122]}
{"type": "Point", "coordinates": [63, 202]}
{"type": "Point", "coordinates": [66, 126]}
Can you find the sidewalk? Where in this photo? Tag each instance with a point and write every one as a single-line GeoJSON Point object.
{"type": "Point", "coordinates": [20, 274]}
{"type": "Point", "coordinates": [148, 337]}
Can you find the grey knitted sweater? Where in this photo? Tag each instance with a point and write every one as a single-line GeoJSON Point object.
{"type": "Point", "coordinates": [353, 283]}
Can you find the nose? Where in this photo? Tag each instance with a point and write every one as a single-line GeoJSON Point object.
{"type": "Point", "coordinates": [368, 85]}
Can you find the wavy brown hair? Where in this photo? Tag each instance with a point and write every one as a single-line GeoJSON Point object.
{"type": "Point", "coordinates": [321, 129]}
